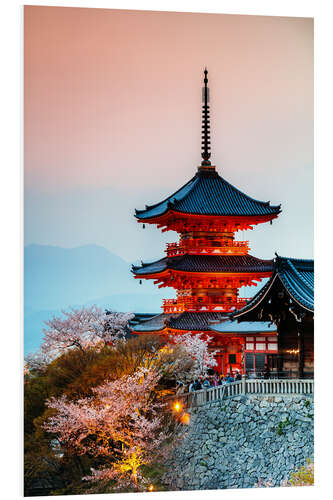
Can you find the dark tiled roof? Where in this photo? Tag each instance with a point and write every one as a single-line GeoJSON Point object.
{"type": "Point", "coordinates": [209, 194]}
{"type": "Point", "coordinates": [254, 301]}
{"type": "Point", "coordinates": [244, 327]}
{"type": "Point", "coordinates": [201, 321]}
{"type": "Point", "coordinates": [181, 321]}
{"type": "Point", "coordinates": [152, 324]}
{"type": "Point", "coordinates": [206, 263]}
{"type": "Point", "coordinates": [138, 317]}
{"type": "Point", "coordinates": [194, 321]}
{"type": "Point", "coordinates": [297, 277]}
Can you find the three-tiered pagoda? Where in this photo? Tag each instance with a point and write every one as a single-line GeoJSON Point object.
{"type": "Point", "coordinates": [207, 266]}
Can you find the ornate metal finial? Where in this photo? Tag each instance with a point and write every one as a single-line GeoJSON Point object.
{"type": "Point", "coordinates": [205, 143]}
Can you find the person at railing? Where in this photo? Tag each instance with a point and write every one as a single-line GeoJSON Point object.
{"type": "Point", "coordinates": [238, 375]}
{"type": "Point", "coordinates": [196, 386]}
{"type": "Point", "coordinates": [266, 372]}
{"type": "Point", "coordinates": [229, 378]}
{"type": "Point", "coordinates": [206, 384]}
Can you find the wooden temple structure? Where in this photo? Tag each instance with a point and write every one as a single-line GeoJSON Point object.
{"type": "Point", "coordinates": [287, 301]}
{"type": "Point", "coordinates": [207, 266]}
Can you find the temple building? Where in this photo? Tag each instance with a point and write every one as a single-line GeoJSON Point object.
{"type": "Point", "coordinates": [207, 266]}
{"type": "Point", "coordinates": [287, 301]}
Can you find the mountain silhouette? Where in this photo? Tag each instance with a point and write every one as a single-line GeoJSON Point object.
{"type": "Point", "coordinates": [58, 278]}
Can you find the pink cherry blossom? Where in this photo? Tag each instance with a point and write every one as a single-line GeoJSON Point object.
{"type": "Point", "coordinates": [196, 345]}
{"type": "Point", "coordinates": [121, 421]}
{"type": "Point", "coordinates": [83, 328]}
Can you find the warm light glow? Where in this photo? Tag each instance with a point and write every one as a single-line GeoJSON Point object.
{"type": "Point", "coordinates": [177, 407]}
{"type": "Point", "coordinates": [292, 351]}
{"type": "Point", "coordinates": [151, 487]}
{"type": "Point", "coordinates": [166, 349]}
{"type": "Point", "coordinates": [185, 419]}
{"type": "Point", "coordinates": [107, 406]}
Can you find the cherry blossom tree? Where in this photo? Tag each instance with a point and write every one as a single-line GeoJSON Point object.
{"type": "Point", "coordinates": [121, 422]}
{"type": "Point", "coordinates": [83, 328]}
{"type": "Point", "coordinates": [37, 361]}
{"type": "Point", "coordinates": [195, 346]}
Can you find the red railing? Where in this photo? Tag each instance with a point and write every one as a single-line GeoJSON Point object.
{"type": "Point", "coordinates": [193, 248]}
{"type": "Point", "coordinates": [194, 304]}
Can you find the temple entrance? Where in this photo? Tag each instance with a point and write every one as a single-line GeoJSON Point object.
{"type": "Point", "coordinates": [232, 361]}
{"type": "Point", "coordinates": [232, 357]}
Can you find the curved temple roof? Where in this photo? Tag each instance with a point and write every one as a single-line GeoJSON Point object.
{"type": "Point", "coordinates": [205, 321]}
{"type": "Point", "coordinates": [246, 327]}
{"type": "Point", "coordinates": [296, 276]}
{"type": "Point", "coordinates": [148, 325]}
{"type": "Point", "coordinates": [207, 193]}
{"type": "Point", "coordinates": [206, 264]}
{"type": "Point", "coordinates": [180, 321]}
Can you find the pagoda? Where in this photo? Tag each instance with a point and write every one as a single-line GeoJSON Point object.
{"type": "Point", "coordinates": [207, 266]}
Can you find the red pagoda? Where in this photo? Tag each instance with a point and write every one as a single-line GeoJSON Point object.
{"type": "Point", "coordinates": [207, 266]}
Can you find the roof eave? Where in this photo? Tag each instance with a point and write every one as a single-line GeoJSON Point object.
{"type": "Point", "coordinates": [153, 218]}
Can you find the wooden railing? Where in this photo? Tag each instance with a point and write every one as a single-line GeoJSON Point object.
{"type": "Point", "coordinates": [192, 304]}
{"type": "Point", "coordinates": [193, 248]}
{"type": "Point", "coordinates": [245, 386]}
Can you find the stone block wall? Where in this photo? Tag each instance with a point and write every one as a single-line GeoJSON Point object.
{"type": "Point", "coordinates": [239, 441]}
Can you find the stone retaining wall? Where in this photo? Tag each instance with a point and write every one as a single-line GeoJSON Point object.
{"type": "Point", "coordinates": [239, 441]}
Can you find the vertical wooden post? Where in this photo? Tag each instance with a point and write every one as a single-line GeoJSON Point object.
{"type": "Point", "coordinates": [300, 352]}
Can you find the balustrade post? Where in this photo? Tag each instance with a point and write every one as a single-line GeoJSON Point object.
{"type": "Point", "coordinates": [243, 384]}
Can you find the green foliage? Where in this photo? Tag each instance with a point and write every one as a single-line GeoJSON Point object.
{"type": "Point", "coordinates": [307, 403]}
{"type": "Point", "coordinates": [282, 425]}
{"type": "Point", "coordinates": [153, 474]}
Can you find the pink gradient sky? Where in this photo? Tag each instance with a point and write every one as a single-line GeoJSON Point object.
{"type": "Point", "coordinates": [113, 112]}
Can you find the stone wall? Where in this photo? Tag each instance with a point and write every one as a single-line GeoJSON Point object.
{"type": "Point", "coordinates": [239, 441]}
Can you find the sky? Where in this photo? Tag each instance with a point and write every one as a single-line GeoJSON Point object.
{"type": "Point", "coordinates": [112, 121]}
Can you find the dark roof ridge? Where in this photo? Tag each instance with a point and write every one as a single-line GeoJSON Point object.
{"type": "Point", "coordinates": [206, 263]}
{"type": "Point", "coordinates": [299, 283]}
{"type": "Point", "coordinates": [145, 264]}
{"type": "Point", "coordinates": [180, 258]}
{"type": "Point", "coordinates": [283, 265]}
{"type": "Point", "coordinates": [292, 259]}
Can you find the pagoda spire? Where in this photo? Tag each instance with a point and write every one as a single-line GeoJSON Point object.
{"type": "Point", "coordinates": [205, 143]}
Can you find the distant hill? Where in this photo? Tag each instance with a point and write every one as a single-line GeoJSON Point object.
{"type": "Point", "coordinates": [55, 277]}
{"type": "Point", "coordinates": [58, 278]}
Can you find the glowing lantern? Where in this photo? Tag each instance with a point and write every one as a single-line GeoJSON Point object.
{"type": "Point", "coordinates": [151, 487]}
{"type": "Point", "coordinates": [177, 407]}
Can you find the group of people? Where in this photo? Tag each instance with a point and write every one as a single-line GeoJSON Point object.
{"type": "Point", "coordinates": [208, 381]}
